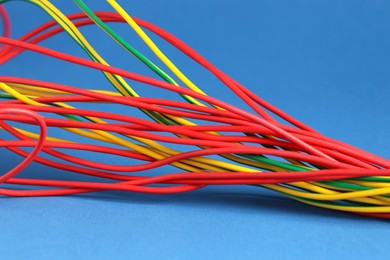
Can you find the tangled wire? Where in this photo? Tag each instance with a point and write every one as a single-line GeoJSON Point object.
{"type": "Point", "coordinates": [210, 141]}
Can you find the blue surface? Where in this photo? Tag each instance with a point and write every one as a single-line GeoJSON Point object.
{"type": "Point", "coordinates": [324, 62]}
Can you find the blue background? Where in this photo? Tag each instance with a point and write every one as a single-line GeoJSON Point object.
{"type": "Point", "coordinates": [324, 62]}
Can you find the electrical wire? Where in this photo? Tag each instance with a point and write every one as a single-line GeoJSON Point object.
{"type": "Point", "coordinates": [210, 141]}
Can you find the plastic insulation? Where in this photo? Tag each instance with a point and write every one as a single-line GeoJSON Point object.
{"type": "Point", "coordinates": [210, 141]}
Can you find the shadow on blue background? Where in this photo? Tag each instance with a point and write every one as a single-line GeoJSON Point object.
{"type": "Point", "coordinates": [324, 62]}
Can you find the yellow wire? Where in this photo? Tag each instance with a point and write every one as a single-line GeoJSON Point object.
{"type": "Point", "coordinates": [155, 49]}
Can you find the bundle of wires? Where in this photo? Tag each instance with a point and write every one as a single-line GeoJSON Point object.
{"type": "Point", "coordinates": [209, 141]}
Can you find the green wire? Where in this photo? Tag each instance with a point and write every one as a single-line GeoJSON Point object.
{"type": "Point", "coordinates": [152, 114]}
{"type": "Point", "coordinates": [128, 47]}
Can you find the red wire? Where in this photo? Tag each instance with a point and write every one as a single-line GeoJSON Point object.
{"type": "Point", "coordinates": [157, 83]}
{"type": "Point", "coordinates": [6, 27]}
{"type": "Point", "coordinates": [38, 146]}
{"type": "Point", "coordinates": [114, 17]}
{"type": "Point", "coordinates": [343, 161]}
